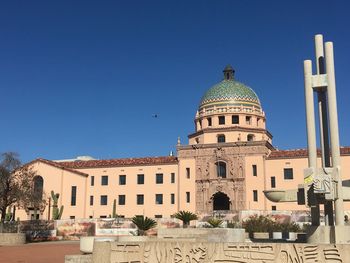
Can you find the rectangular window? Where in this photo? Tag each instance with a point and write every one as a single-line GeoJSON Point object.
{"type": "Point", "coordinates": [103, 216]}
{"type": "Point", "coordinates": [92, 180]}
{"type": "Point", "coordinates": [140, 179]}
{"type": "Point", "coordinates": [288, 173]}
{"type": "Point", "coordinates": [172, 199]}
{"type": "Point", "coordinates": [255, 195]}
{"type": "Point", "coordinates": [209, 122]}
{"type": "Point", "coordinates": [235, 119]}
{"type": "Point", "coordinates": [221, 138]}
{"type": "Point", "coordinates": [158, 216]}
{"type": "Point", "coordinates": [221, 120]}
{"type": "Point", "coordinates": [248, 120]}
{"type": "Point", "coordinates": [71, 217]}
{"type": "Point", "coordinates": [273, 208]}
{"type": "Point", "coordinates": [188, 173]}
{"type": "Point", "coordinates": [159, 178]}
{"type": "Point", "coordinates": [159, 199]}
{"type": "Point", "coordinates": [104, 180]}
{"type": "Point", "coordinates": [255, 170]}
{"type": "Point", "coordinates": [91, 200]}
{"type": "Point", "coordinates": [139, 199]}
{"type": "Point", "coordinates": [173, 178]}
{"type": "Point", "coordinates": [122, 179]}
{"type": "Point", "coordinates": [73, 200]}
{"type": "Point", "coordinates": [121, 199]}
{"type": "Point", "coordinates": [188, 197]}
{"type": "Point", "coordinates": [273, 182]}
{"type": "Point", "coordinates": [103, 200]}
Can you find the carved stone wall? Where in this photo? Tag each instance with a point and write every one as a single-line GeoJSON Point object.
{"type": "Point", "coordinates": [207, 181]}
{"type": "Point", "coordinates": [207, 252]}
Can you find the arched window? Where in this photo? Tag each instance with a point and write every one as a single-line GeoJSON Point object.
{"type": "Point", "coordinates": [250, 137]}
{"type": "Point", "coordinates": [221, 138]}
{"type": "Point", "coordinates": [221, 169]}
{"type": "Point", "coordinates": [38, 185]}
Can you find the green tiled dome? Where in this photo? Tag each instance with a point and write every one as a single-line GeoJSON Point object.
{"type": "Point", "coordinates": [230, 92]}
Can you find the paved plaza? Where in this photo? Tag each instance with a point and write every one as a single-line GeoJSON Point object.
{"type": "Point", "coordinates": [52, 252]}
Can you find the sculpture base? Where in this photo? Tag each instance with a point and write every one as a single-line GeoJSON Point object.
{"type": "Point", "coordinates": [329, 234]}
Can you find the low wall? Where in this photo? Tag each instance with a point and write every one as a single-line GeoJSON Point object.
{"type": "Point", "coordinates": [204, 234]}
{"type": "Point", "coordinates": [210, 252]}
{"type": "Point", "coordinates": [78, 259]}
{"type": "Point", "coordinates": [12, 239]}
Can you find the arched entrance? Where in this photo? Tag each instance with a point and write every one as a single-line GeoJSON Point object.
{"type": "Point", "coordinates": [221, 201]}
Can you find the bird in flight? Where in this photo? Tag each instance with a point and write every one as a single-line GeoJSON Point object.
{"type": "Point", "coordinates": [155, 115]}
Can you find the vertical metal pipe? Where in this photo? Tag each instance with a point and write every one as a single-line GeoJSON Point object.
{"type": "Point", "coordinates": [333, 122]}
{"type": "Point", "coordinates": [311, 131]}
{"type": "Point", "coordinates": [323, 121]}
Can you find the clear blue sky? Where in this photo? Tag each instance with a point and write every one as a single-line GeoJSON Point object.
{"type": "Point", "coordinates": [85, 77]}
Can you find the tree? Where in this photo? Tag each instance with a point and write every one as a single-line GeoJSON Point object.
{"type": "Point", "coordinates": [186, 217]}
{"type": "Point", "coordinates": [143, 224]}
{"type": "Point", "coordinates": [17, 184]}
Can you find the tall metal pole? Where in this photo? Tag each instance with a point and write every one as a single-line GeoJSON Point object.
{"type": "Point", "coordinates": [323, 120]}
{"type": "Point", "coordinates": [334, 133]}
{"type": "Point", "coordinates": [311, 132]}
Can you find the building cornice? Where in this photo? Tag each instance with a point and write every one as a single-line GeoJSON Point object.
{"type": "Point", "coordinates": [227, 144]}
{"type": "Point", "coordinates": [226, 129]}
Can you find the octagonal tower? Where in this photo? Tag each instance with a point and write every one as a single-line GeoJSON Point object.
{"type": "Point", "coordinates": [229, 111]}
{"type": "Point", "coordinates": [224, 163]}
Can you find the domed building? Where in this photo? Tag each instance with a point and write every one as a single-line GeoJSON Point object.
{"type": "Point", "coordinates": [225, 167]}
{"type": "Point", "coordinates": [229, 145]}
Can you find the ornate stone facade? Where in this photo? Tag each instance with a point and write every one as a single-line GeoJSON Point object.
{"type": "Point", "coordinates": [209, 183]}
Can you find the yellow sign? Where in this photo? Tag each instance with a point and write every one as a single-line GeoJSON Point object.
{"type": "Point", "coordinates": [309, 179]}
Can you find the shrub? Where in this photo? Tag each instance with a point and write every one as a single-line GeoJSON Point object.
{"type": "Point", "coordinates": [143, 224]}
{"type": "Point", "coordinates": [291, 227]}
{"type": "Point", "coordinates": [257, 223]}
{"type": "Point", "coordinates": [186, 217]}
{"type": "Point", "coordinates": [215, 222]}
{"type": "Point", "coordinates": [261, 223]}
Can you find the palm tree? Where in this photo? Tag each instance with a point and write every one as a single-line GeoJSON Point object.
{"type": "Point", "coordinates": [143, 224]}
{"type": "Point", "coordinates": [186, 217]}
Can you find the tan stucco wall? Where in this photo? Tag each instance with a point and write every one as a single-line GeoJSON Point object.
{"type": "Point", "coordinates": [131, 189]}
{"type": "Point", "coordinates": [60, 181]}
{"type": "Point", "coordinates": [255, 182]}
{"type": "Point", "coordinates": [187, 185]}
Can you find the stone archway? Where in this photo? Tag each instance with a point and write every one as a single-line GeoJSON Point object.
{"type": "Point", "coordinates": [221, 201]}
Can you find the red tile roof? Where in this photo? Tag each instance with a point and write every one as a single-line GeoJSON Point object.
{"type": "Point", "coordinates": [300, 153]}
{"type": "Point", "coordinates": [120, 162]}
{"type": "Point", "coordinates": [57, 165]}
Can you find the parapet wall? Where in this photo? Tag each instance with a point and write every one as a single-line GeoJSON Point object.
{"type": "Point", "coordinates": [210, 252]}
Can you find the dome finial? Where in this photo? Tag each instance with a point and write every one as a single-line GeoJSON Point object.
{"type": "Point", "coordinates": [228, 72]}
